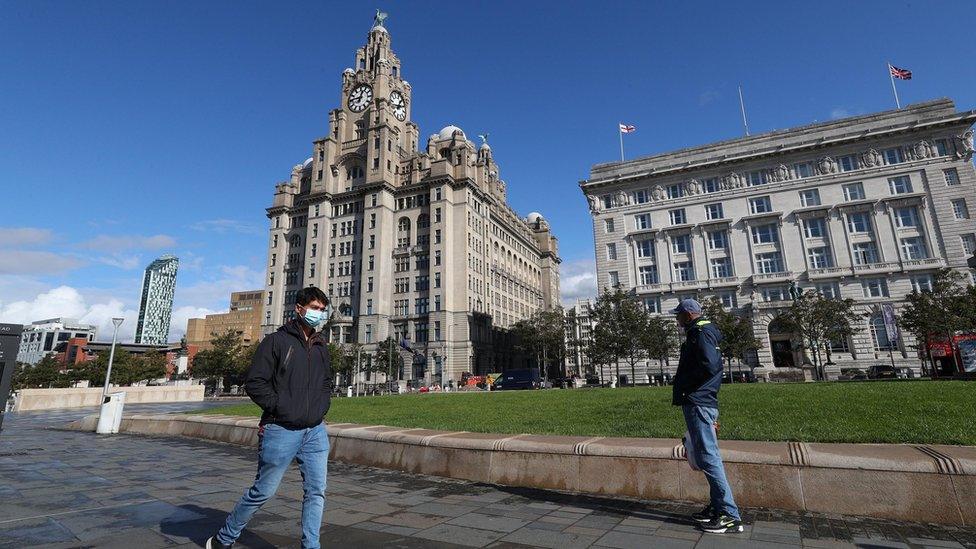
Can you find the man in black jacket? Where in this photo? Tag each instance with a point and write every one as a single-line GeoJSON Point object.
{"type": "Point", "coordinates": [696, 386]}
{"type": "Point", "coordinates": [291, 380]}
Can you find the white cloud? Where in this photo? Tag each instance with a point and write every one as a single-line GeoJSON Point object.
{"type": "Point", "coordinates": [11, 237]}
{"type": "Point", "coordinates": [577, 279]}
{"type": "Point", "coordinates": [125, 262]}
{"type": "Point", "coordinates": [67, 302]}
{"type": "Point", "coordinates": [27, 262]}
{"type": "Point", "coordinates": [223, 226]}
{"type": "Point", "coordinates": [708, 96]}
{"type": "Point", "coordinates": [118, 243]}
{"type": "Point", "coordinates": [839, 112]}
{"type": "Point", "coordinates": [177, 326]}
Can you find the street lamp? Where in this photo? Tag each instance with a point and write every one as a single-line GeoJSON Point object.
{"type": "Point", "coordinates": [111, 354]}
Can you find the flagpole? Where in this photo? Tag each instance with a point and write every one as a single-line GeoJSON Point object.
{"type": "Point", "coordinates": [621, 133]}
{"type": "Point", "coordinates": [891, 77]}
{"type": "Point", "coordinates": [742, 106]}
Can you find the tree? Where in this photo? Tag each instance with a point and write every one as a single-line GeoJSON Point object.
{"type": "Point", "coordinates": [223, 362]}
{"type": "Point", "coordinates": [819, 321]}
{"type": "Point", "coordinates": [543, 335]}
{"type": "Point", "coordinates": [737, 335]}
{"type": "Point", "coordinates": [632, 322]}
{"type": "Point", "coordinates": [659, 339]}
{"type": "Point", "coordinates": [609, 339]}
{"type": "Point", "coordinates": [341, 368]}
{"type": "Point", "coordinates": [948, 308]}
{"type": "Point", "coordinates": [47, 373]}
{"type": "Point", "coordinates": [387, 359]}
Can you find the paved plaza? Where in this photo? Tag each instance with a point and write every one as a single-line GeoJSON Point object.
{"type": "Point", "coordinates": [69, 489]}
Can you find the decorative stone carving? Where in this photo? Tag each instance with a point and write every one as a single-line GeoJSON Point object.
{"type": "Point", "coordinates": [871, 158]}
{"type": "Point", "coordinates": [732, 181]}
{"type": "Point", "coordinates": [594, 203]}
{"type": "Point", "coordinates": [693, 187]}
{"type": "Point", "coordinates": [826, 166]}
{"type": "Point", "coordinates": [335, 170]}
{"type": "Point", "coordinates": [657, 193]}
{"type": "Point", "coordinates": [964, 145]}
{"type": "Point", "coordinates": [779, 173]}
{"type": "Point", "coordinates": [921, 150]}
{"type": "Point", "coordinates": [620, 199]}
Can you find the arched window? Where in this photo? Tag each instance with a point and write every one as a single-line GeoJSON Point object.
{"type": "Point", "coordinates": [880, 335]}
{"type": "Point", "coordinates": [423, 221]}
{"type": "Point", "coordinates": [360, 129]}
{"type": "Point", "coordinates": [403, 232]}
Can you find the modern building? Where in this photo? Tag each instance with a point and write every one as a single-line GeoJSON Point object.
{"type": "Point", "coordinates": [243, 319]}
{"type": "Point", "coordinates": [77, 351]}
{"type": "Point", "coordinates": [40, 338]}
{"type": "Point", "coordinates": [411, 239]}
{"type": "Point", "coordinates": [156, 302]}
{"type": "Point", "coordinates": [867, 208]}
{"type": "Point", "coordinates": [579, 332]}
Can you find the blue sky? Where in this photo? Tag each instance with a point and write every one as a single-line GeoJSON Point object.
{"type": "Point", "coordinates": [133, 129]}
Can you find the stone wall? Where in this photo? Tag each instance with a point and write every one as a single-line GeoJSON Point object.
{"type": "Point", "coordinates": [902, 482]}
{"type": "Point", "coordinates": [49, 399]}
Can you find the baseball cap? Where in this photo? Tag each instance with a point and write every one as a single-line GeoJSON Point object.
{"type": "Point", "coordinates": [688, 306]}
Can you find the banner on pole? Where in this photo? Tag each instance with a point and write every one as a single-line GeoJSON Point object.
{"type": "Point", "coordinates": [891, 326]}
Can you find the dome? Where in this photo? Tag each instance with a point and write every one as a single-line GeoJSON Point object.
{"type": "Point", "coordinates": [348, 71]}
{"type": "Point", "coordinates": [307, 165]}
{"type": "Point", "coordinates": [534, 217]}
{"type": "Point", "coordinates": [378, 28]}
{"type": "Point", "coordinates": [484, 146]}
{"type": "Point", "coordinates": [449, 131]}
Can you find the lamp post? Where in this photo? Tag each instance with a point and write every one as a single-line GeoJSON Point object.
{"type": "Point", "coordinates": [111, 354]}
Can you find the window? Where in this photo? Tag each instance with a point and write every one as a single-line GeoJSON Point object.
{"type": "Point", "coordinates": [717, 240]}
{"type": "Point", "coordinates": [611, 251]}
{"type": "Point", "coordinates": [757, 177]}
{"type": "Point", "coordinates": [640, 197]}
{"type": "Point", "coordinates": [647, 274]}
{"type": "Point", "coordinates": [820, 257]}
{"type": "Point", "coordinates": [683, 271]}
{"type": "Point", "coordinates": [942, 147]}
{"type": "Point", "coordinates": [810, 197]}
{"type": "Point", "coordinates": [874, 287]}
{"type": "Point", "coordinates": [437, 193]}
{"type": "Point", "coordinates": [765, 234]}
{"type": "Point", "coordinates": [900, 185]}
{"type": "Point", "coordinates": [768, 263]}
{"type": "Point", "coordinates": [421, 305]}
{"type": "Point", "coordinates": [437, 280]}
{"type": "Point", "coordinates": [913, 248]}
{"type": "Point", "coordinates": [681, 244]}
{"type": "Point", "coordinates": [865, 253]}
{"type": "Point", "coordinates": [642, 221]}
{"type": "Point", "coordinates": [678, 217]}
{"type": "Point", "coordinates": [645, 248]}
{"type": "Point", "coordinates": [372, 241]}
{"type": "Point", "coordinates": [775, 293]}
{"type": "Point", "coordinates": [274, 241]}
{"type": "Point", "coordinates": [437, 258]}
{"type": "Point", "coordinates": [721, 267]}
{"type": "Point", "coordinates": [711, 185]}
{"type": "Point", "coordinates": [274, 259]}
{"type": "Point", "coordinates": [368, 334]}
{"type": "Point", "coordinates": [760, 204]}
{"type": "Point", "coordinates": [714, 211]}
{"type": "Point", "coordinates": [847, 163]}
{"type": "Point", "coordinates": [814, 228]}
{"type": "Point", "coordinates": [369, 306]}
{"type": "Point", "coordinates": [727, 299]}
{"type": "Point", "coordinates": [315, 230]}
{"type": "Point", "coordinates": [314, 249]}
{"type": "Point", "coordinates": [614, 278]}
{"type": "Point", "coordinates": [607, 201]}
{"type": "Point", "coordinates": [922, 283]}
{"type": "Point", "coordinates": [803, 169]}
{"type": "Point", "coordinates": [676, 191]}
{"type": "Point", "coordinates": [608, 225]}
{"type": "Point", "coordinates": [437, 215]}
{"type": "Point", "coordinates": [960, 209]}
{"type": "Point", "coordinates": [828, 289]}
{"type": "Point", "coordinates": [311, 271]}
{"type": "Point", "coordinates": [893, 156]}
{"type": "Point", "coordinates": [906, 217]}
{"type": "Point", "coordinates": [879, 333]}
{"type": "Point", "coordinates": [951, 176]}
{"type": "Point", "coordinates": [859, 223]}
{"type": "Point", "coordinates": [853, 191]}
{"type": "Point", "coordinates": [369, 284]}
{"type": "Point", "coordinates": [652, 304]}
{"type": "Point", "coordinates": [969, 243]}
{"type": "Point", "coordinates": [437, 330]}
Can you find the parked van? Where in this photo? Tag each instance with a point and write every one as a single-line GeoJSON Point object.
{"type": "Point", "coordinates": [526, 378]}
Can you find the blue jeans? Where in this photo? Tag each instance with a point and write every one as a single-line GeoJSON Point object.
{"type": "Point", "coordinates": [277, 448]}
{"type": "Point", "coordinates": [699, 420]}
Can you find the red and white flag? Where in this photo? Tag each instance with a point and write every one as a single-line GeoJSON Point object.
{"type": "Point", "coordinates": [627, 128]}
{"type": "Point", "coordinates": [903, 74]}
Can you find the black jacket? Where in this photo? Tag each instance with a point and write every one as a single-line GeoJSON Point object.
{"type": "Point", "coordinates": [291, 379]}
{"type": "Point", "coordinates": [699, 375]}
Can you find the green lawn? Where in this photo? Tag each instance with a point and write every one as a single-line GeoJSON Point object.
{"type": "Point", "coordinates": [918, 412]}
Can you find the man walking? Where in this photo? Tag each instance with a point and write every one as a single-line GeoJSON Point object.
{"type": "Point", "coordinates": [696, 386]}
{"type": "Point", "coordinates": [291, 380]}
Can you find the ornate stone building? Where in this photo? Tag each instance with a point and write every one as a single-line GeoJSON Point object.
{"type": "Point", "coordinates": [865, 208]}
{"type": "Point", "coordinates": [418, 244]}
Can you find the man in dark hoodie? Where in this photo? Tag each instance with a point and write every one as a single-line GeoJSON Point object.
{"type": "Point", "coordinates": [291, 380]}
{"type": "Point", "coordinates": [696, 386]}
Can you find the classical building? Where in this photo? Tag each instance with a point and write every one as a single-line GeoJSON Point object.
{"type": "Point", "coordinates": [579, 331]}
{"type": "Point", "coordinates": [243, 319]}
{"type": "Point", "coordinates": [156, 301]}
{"type": "Point", "coordinates": [420, 245]}
{"type": "Point", "coordinates": [866, 207]}
{"type": "Point", "coordinates": [42, 337]}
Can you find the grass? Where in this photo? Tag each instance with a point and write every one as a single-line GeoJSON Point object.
{"type": "Point", "coordinates": [919, 412]}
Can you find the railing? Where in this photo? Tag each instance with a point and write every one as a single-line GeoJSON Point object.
{"type": "Point", "coordinates": [827, 272]}
{"type": "Point", "coordinates": [721, 281]}
{"type": "Point", "coordinates": [887, 266]}
{"type": "Point", "coordinates": [686, 284]}
{"type": "Point", "coordinates": [766, 277]}
{"type": "Point", "coordinates": [926, 263]}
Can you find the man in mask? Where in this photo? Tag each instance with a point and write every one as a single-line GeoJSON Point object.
{"type": "Point", "coordinates": [696, 386]}
{"type": "Point", "coordinates": [291, 380]}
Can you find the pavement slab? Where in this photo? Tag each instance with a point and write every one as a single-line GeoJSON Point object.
{"type": "Point", "coordinates": [70, 489]}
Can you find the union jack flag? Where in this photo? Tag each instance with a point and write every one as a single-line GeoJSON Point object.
{"type": "Point", "coordinates": [903, 74]}
{"type": "Point", "coordinates": [626, 128]}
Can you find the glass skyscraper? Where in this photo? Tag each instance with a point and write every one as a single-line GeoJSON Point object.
{"type": "Point", "coordinates": [156, 304]}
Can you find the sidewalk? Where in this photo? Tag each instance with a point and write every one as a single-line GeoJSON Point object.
{"type": "Point", "coordinates": [71, 489]}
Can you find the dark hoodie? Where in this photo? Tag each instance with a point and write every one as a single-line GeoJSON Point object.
{"type": "Point", "coordinates": [291, 378]}
{"type": "Point", "coordinates": [699, 374]}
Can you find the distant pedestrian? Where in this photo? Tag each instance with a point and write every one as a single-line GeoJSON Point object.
{"type": "Point", "coordinates": [291, 380]}
{"type": "Point", "coordinates": [696, 386]}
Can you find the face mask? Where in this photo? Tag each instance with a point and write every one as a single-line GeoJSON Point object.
{"type": "Point", "coordinates": [313, 318]}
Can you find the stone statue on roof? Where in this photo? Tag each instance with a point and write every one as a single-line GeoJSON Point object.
{"type": "Point", "coordinates": [379, 18]}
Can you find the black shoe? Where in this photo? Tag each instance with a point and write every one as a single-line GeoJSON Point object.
{"type": "Point", "coordinates": [722, 524]}
{"type": "Point", "coordinates": [705, 515]}
{"type": "Point", "coordinates": [212, 543]}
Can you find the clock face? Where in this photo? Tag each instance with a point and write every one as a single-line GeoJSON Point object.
{"type": "Point", "coordinates": [399, 106]}
{"type": "Point", "coordinates": [359, 97]}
